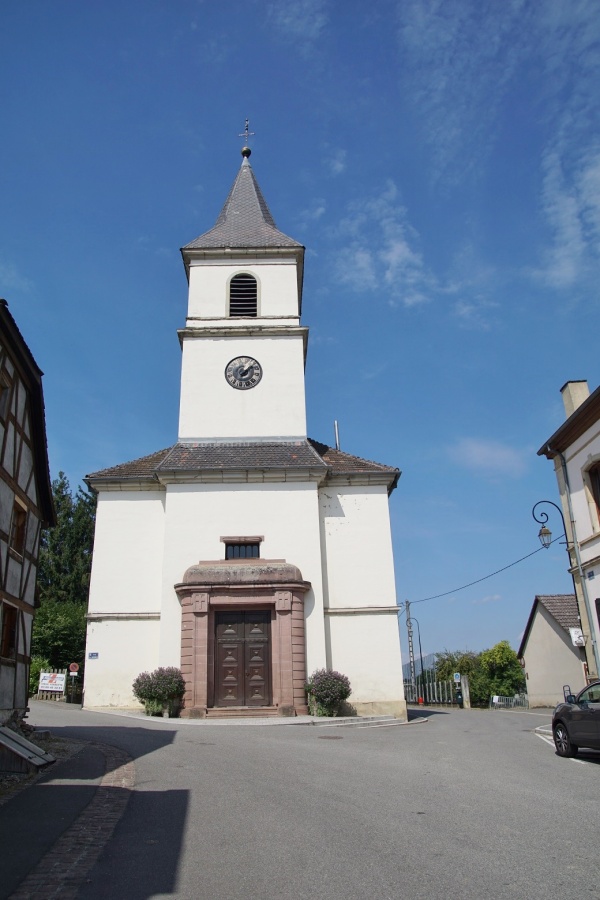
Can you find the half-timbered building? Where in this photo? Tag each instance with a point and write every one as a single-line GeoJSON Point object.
{"type": "Point", "coordinates": [25, 508]}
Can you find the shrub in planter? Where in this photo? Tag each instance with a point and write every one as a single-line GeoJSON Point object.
{"type": "Point", "coordinates": [326, 691]}
{"type": "Point", "coordinates": [159, 689]}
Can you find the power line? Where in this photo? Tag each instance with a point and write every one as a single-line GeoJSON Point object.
{"type": "Point", "coordinates": [485, 577]}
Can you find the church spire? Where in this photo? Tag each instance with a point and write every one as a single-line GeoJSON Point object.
{"type": "Point", "coordinates": [245, 220]}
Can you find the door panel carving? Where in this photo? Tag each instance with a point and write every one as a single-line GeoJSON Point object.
{"type": "Point", "coordinates": [243, 658]}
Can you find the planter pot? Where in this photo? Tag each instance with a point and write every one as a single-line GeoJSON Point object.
{"type": "Point", "coordinates": [171, 709]}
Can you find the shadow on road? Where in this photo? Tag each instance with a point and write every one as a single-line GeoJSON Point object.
{"type": "Point", "coordinates": [142, 858]}
{"type": "Point", "coordinates": [425, 712]}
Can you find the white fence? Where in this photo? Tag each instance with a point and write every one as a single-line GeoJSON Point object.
{"type": "Point", "coordinates": [429, 691]}
{"type": "Point", "coordinates": [519, 701]}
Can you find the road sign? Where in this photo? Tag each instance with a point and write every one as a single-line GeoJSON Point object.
{"type": "Point", "coordinates": [74, 667]}
{"type": "Point", "coordinates": [457, 677]}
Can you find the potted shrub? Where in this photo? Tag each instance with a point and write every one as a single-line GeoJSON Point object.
{"type": "Point", "coordinates": [327, 690]}
{"type": "Point", "coordinates": [160, 691]}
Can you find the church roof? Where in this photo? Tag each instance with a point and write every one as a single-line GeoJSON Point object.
{"type": "Point", "coordinates": [245, 220]}
{"type": "Point", "coordinates": [307, 455]}
{"type": "Point", "coordinates": [563, 609]}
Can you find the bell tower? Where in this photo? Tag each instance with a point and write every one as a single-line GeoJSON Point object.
{"type": "Point", "coordinates": [243, 348]}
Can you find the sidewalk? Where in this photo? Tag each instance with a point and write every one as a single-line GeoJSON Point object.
{"type": "Point", "coordinates": [52, 832]}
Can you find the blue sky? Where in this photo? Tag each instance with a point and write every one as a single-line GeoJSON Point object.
{"type": "Point", "coordinates": [439, 159]}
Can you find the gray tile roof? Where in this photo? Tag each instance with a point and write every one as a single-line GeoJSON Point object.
{"type": "Point", "coordinates": [246, 455]}
{"type": "Point", "coordinates": [302, 454]}
{"type": "Point", "coordinates": [563, 608]}
{"type": "Point", "coordinates": [245, 220]}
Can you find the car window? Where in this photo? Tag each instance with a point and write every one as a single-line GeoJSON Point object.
{"type": "Point", "coordinates": [591, 694]}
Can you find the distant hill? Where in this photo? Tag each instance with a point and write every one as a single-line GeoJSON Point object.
{"type": "Point", "coordinates": [428, 663]}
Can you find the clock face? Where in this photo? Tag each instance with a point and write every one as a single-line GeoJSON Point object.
{"type": "Point", "coordinates": [243, 372]}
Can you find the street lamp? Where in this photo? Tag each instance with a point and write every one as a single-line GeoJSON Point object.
{"type": "Point", "coordinates": [545, 535]}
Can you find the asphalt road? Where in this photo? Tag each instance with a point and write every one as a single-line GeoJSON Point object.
{"type": "Point", "coordinates": [468, 804]}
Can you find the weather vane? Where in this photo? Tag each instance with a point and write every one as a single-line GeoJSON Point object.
{"type": "Point", "coordinates": [246, 133]}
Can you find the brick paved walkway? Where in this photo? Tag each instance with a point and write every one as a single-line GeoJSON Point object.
{"type": "Point", "coordinates": [62, 871]}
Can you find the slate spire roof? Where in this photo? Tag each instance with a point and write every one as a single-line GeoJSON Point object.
{"type": "Point", "coordinates": [245, 220]}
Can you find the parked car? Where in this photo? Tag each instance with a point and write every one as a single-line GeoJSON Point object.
{"type": "Point", "coordinates": [576, 722]}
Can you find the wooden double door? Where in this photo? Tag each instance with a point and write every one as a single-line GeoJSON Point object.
{"type": "Point", "coordinates": [243, 658]}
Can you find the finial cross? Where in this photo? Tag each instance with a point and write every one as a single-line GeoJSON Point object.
{"type": "Point", "coordinates": [246, 133]}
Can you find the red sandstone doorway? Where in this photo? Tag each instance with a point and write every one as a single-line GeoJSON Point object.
{"type": "Point", "coordinates": [243, 658]}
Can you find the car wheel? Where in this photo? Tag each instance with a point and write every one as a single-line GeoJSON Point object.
{"type": "Point", "coordinates": [562, 741]}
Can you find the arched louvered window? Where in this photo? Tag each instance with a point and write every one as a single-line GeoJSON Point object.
{"type": "Point", "coordinates": [243, 295]}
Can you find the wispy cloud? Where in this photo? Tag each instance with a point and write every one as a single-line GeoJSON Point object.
{"type": "Point", "coordinates": [456, 59]}
{"type": "Point", "coordinates": [475, 313]}
{"type": "Point", "coordinates": [381, 250]}
{"type": "Point", "coordinates": [302, 20]}
{"type": "Point", "coordinates": [335, 160]}
{"type": "Point", "coordinates": [490, 598]}
{"type": "Point", "coordinates": [571, 203]}
{"type": "Point", "coordinates": [314, 211]}
{"type": "Point", "coordinates": [489, 458]}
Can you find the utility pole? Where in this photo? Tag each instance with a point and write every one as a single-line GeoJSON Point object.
{"type": "Point", "coordinates": [411, 650]}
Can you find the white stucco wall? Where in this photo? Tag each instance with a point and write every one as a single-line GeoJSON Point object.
{"type": "Point", "coordinates": [551, 661]}
{"type": "Point", "coordinates": [357, 550]}
{"type": "Point", "coordinates": [211, 408]}
{"type": "Point", "coordinates": [285, 515]}
{"type": "Point", "coordinates": [209, 287]}
{"type": "Point", "coordinates": [126, 581]}
{"type": "Point", "coordinates": [125, 648]}
{"type": "Point", "coordinates": [580, 457]}
{"type": "Point", "coordinates": [128, 550]}
{"type": "Point", "coordinates": [357, 546]}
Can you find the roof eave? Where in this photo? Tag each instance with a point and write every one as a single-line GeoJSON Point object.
{"type": "Point", "coordinates": [578, 422]}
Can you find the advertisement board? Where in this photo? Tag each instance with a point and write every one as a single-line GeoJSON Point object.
{"type": "Point", "coordinates": [52, 681]}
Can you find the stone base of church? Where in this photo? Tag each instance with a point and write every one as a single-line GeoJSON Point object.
{"type": "Point", "coordinates": [255, 712]}
{"type": "Point", "coordinates": [395, 708]}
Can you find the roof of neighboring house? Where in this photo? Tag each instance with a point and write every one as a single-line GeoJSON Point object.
{"type": "Point", "coordinates": [245, 220]}
{"type": "Point", "coordinates": [247, 455]}
{"type": "Point", "coordinates": [31, 375]}
{"type": "Point", "coordinates": [562, 608]}
{"type": "Point", "coordinates": [577, 424]}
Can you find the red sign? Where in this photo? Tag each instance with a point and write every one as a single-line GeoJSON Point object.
{"type": "Point", "coordinates": [74, 667]}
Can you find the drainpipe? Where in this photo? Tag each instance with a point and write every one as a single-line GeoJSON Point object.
{"type": "Point", "coordinates": [582, 578]}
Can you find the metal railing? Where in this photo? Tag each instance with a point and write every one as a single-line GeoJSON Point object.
{"type": "Point", "coordinates": [428, 690]}
{"type": "Point", "coordinates": [519, 701]}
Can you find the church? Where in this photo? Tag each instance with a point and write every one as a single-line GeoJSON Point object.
{"type": "Point", "coordinates": [246, 554]}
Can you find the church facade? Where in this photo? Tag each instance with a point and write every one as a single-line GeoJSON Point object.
{"type": "Point", "coordinates": [246, 554]}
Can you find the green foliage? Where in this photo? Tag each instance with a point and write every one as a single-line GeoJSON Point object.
{"type": "Point", "coordinates": [326, 691]}
{"type": "Point", "coordinates": [66, 550]}
{"type": "Point", "coordinates": [38, 664]}
{"type": "Point", "coordinates": [59, 633]}
{"type": "Point", "coordinates": [494, 671]}
{"type": "Point", "coordinates": [160, 686]}
{"type": "Point", "coordinates": [447, 663]}
{"type": "Point", "coordinates": [64, 567]}
{"type": "Point", "coordinates": [502, 670]}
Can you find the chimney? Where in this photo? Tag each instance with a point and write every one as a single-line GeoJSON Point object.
{"type": "Point", "coordinates": [573, 394]}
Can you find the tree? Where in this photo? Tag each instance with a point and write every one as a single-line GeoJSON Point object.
{"type": "Point", "coordinates": [494, 671]}
{"type": "Point", "coordinates": [59, 632]}
{"type": "Point", "coordinates": [502, 670]}
{"type": "Point", "coordinates": [66, 550]}
{"type": "Point", "coordinates": [447, 663]}
{"type": "Point", "coordinates": [64, 577]}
